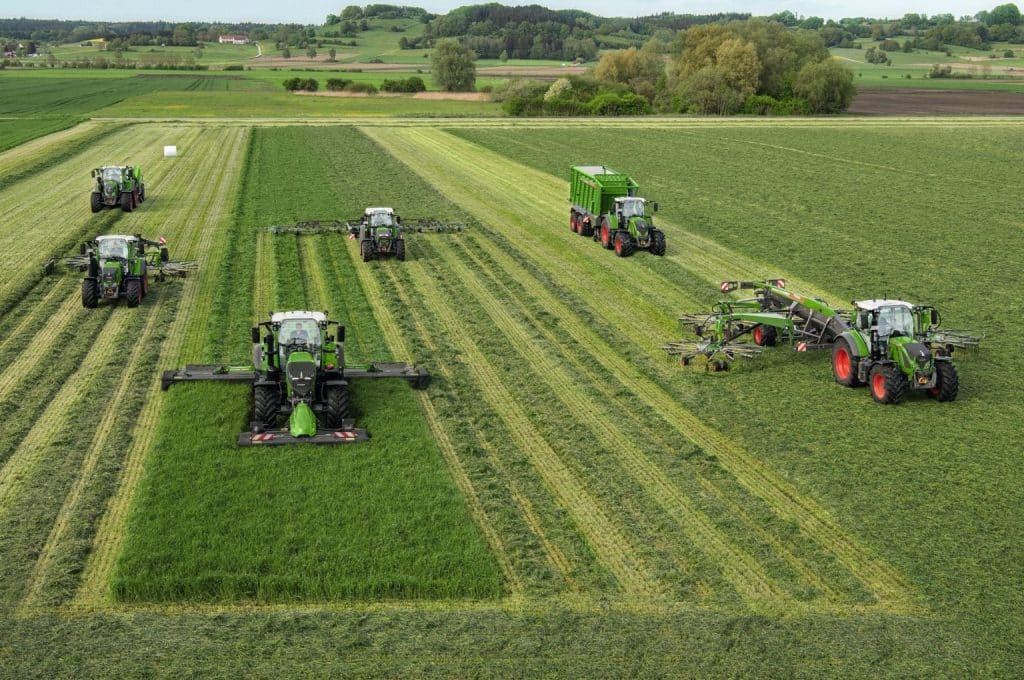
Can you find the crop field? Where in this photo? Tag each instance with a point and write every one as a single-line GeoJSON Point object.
{"type": "Point", "coordinates": [563, 498]}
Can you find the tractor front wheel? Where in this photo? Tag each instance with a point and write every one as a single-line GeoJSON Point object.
{"type": "Point", "coordinates": [888, 385]}
{"type": "Point", "coordinates": [337, 405]}
{"type": "Point", "coordinates": [133, 292]}
{"type": "Point", "coordinates": [266, 401]}
{"type": "Point", "coordinates": [96, 202]}
{"type": "Point", "coordinates": [765, 336]}
{"type": "Point", "coordinates": [400, 249]}
{"type": "Point", "coordinates": [606, 235]}
{"type": "Point", "coordinates": [844, 365]}
{"type": "Point", "coordinates": [623, 243]}
{"type": "Point", "coordinates": [947, 385]}
{"type": "Point", "coordinates": [126, 202]}
{"type": "Point", "coordinates": [572, 222]}
{"type": "Point", "coordinates": [142, 193]}
{"type": "Point", "coordinates": [657, 243]}
{"type": "Point", "coordinates": [366, 249]}
{"type": "Point", "coordinates": [90, 293]}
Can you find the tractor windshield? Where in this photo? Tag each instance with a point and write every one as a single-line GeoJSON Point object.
{"type": "Point", "coordinates": [112, 174]}
{"type": "Point", "coordinates": [113, 247]}
{"type": "Point", "coordinates": [633, 207]}
{"type": "Point", "coordinates": [895, 320]}
{"type": "Point", "coordinates": [380, 219]}
{"type": "Point", "coordinates": [299, 335]}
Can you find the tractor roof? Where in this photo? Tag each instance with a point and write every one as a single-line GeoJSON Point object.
{"type": "Point", "coordinates": [373, 211]}
{"type": "Point", "coordinates": [870, 305]}
{"type": "Point", "coordinates": [126, 237]}
{"type": "Point", "coordinates": [278, 317]}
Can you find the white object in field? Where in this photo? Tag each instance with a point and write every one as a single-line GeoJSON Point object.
{"type": "Point", "coordinates": [170, 151]}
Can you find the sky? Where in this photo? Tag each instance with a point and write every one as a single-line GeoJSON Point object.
{"type": "Point", "coordinates": [274, 11]}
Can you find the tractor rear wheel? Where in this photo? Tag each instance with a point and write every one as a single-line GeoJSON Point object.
{"type": "Point", "coordinates": [142, 193]}
{"type": "Point", "coordinates": [844, 365]}
{"type": "Point", "coordinates": [90, 293]}
{"type": "Point", "coordinates": [623, 243]}
{"type": "Point", "coordinates": [606, 235]}
{"type": "Point", "coordinates": [572, 222]}
{"type": "Point", "coordinates": [266, 401]}
{"type": "Point", "coordinates": [657, 243]}
{"type": "Point", "coordinates": [400, 249]}
{"type": "Point", "coordinates": [96, 202]}
{"type": "Point", "coordinates": [133, 292]}
{"type": "Point", "coordinates": [366, 249]}
{"type": "Point", "coordinates": [765, 336]}
{"type": "Point", "coordinates": [126, 202]}
{"type": "Point", "coordinates": [888, 385]}
{"type": "Point", "coordinates": [947, 386]}
{"type": "Point", "coordinates": [337, 405]}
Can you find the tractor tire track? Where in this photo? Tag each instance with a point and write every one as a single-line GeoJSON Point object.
{"type": "Point", "coordinates": [612, 547]}
{"type": "Point", "coordinates": [395, 341]}
{"type": "Point", "coordinates": [41, 345]}
{"type": "Point", "coordinates": [187, 333]}
{"type": "Point", "coordinates": [426, 153]}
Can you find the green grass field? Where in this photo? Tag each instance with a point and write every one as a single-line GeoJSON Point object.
{"type": "Point", "coordinates": [563, 499]}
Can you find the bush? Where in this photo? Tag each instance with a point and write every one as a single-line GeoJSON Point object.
{"type": "Point", "coordinates": [233, 67]}
{"type": "Point", "coordinates": [760, 105]}
{"type": "Point", "coordinates": [1008, 54]}
{"type": "Point", "coordinates": [368, 88]}
{"type": "Point", "coordinates": [412, 84]}
{"type": "Point", "coordinates": [337, 84]}
{"type": "Point", "coordinates": [307, 84]}
{"type": "Point", "coordinates": [612, 104]}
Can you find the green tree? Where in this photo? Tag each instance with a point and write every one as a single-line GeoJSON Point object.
{"type": "Point", "coordinates": [331, 54]}
{"type": "Point", "coordinates": [1003, 14]}
{"type": "Point", "coordinates": [311, 52]}
{"type": "Point", "coordinates": [453, 66]}
{"type": "Point", "coordinates": [826, 86]}
{"type": "Point", "coordinates": [352, 12]}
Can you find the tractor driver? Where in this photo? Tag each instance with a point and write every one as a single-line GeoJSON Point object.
{"type": "Point", "coordinates": [299, 335]}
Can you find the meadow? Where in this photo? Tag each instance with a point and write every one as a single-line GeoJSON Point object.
{"type": "Point", "coordinates": [563, 499]}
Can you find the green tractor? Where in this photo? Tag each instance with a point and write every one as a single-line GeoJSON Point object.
{"type": "Point", "coordinates": [380, 233]}
{"type": "Point", "coordinates": [299, 374]}
{"type": "Point", "coordinates": [117, 266]}
{"type": "Point", "coordinates": [605, 206]}
{"type": "Point", "coordinates": [894, 347]}
{"type": "Point", "coordinates": [117, 185]}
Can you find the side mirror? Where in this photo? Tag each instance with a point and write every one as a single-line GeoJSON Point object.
{"type": "Point", "coordinates": [255, 335]}
{"type": "Point", "coordinates": [935, 316]}
{"type": "Point", "coordinates": [164, 255]}
{"type": "Point", "coordinates": [82, 249]}
{"type": "Point", "coordinates": [92, 174]}
{"type": "Point", "coordinates": [654, 206]}
{"type": "Point", "coordinates": [398, 219]}
{"type": "Point", "coordinates": [341, 334]}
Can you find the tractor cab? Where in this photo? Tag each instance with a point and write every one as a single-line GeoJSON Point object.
{"type": "Point", "coordinates": [884, 319]}
{"type": "Point", "coordinates": [110, 247]}
{"type": "Point", "coordinates": [631, 212]}
{"type": "Point", "coordinates": [299, 332]}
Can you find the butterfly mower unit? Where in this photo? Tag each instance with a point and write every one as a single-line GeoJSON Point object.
{"type": "Point", "coordinates": [299, 375]}
{"type": "Point", "coordinates": [890, 345]}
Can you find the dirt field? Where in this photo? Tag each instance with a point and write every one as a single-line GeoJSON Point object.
{"type": "Point", "coordinates": [885, 101]}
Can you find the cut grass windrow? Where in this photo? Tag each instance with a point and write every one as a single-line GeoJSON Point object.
{"type": "Point", "coordinates": [396, 343]}
{"type": "Point", "coordinates": [204, 225]}
{"type": "Point", "coordinates": [612, 547]}
{"type": "Point", "coordinates": [471, 178]}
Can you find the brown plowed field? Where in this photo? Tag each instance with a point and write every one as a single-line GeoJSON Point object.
{"type": "Point", "coordinates": [886, 101]}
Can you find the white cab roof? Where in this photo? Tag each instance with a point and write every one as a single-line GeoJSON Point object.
{"type": "Point", "coordinates": [875, 304]}
{"type": "Point", "coordinates": [372, 211]}
{"type": "Point", "coordinates": [278, 317]}
{"type": "Point", "coordinates": [109, 236]}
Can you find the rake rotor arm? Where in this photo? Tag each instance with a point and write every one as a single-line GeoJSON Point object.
{"type": "Point", "coordinates": [218, 372]}
{"type": "Point", "coordinates": [417, 376]}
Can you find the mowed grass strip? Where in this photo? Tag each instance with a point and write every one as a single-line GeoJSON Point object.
{"type": "Point", "coordinates": [472, 180]}
{"type": "Point", "coordinates": [216, 523]}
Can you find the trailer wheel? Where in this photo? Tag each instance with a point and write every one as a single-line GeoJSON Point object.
{"type": "Point", "coordinates": [90, 293]}
{"type": "Point", "coordinates": [337, 405]}
{"type": "Point", "coordinates": [888, 385]}
{"type": "Point", "coordinates": [266, 401]}
{"type": "Point", "coordinates": [623, 243]}
{"type": "Point", "coordinates": [366, 249]}
{"type": "Point", "coordinates": [400, 249]}
{"type": "Point", "coordinates": [765, 336]}
{"type": "Point", "coordinates": [585, 226]}
{"type": "Point", "coordinates": [606, 235]}
{"type": "Point", "coordinates": [572, 221]}
{"type": "Point", "coordinates": [844, 365]}
{"type": "Point", "coordinates": [947, 386]}
{"type": "Point", "coordinates": [657, 243]}
{"type": "Point", "coordinates": [96, 202]}
{"type": "Point", "coordinates": [133, 292]}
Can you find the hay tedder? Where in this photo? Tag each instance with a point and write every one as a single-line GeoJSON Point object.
{"type": "Point", "coordinates": [298, 373]}
{"type": "Point", "coordinates": [891, 345]}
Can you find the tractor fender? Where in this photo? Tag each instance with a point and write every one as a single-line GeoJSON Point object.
{"type": "Point", "coordinates": [263, 382]}
{"type": "Point", "coordinates": [856, 342]}
{"type": "Point", "coordinates": [335, 383]}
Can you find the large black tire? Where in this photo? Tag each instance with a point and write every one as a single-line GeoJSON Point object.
{"type": "Point", "coordinates": [573, 225]}
{"type": "Point", "coordinates": [133, 292]}
{"type": "Point", "coordinates": [844, 364]}
{"type": "Point", "coordinates": [96, 202]}
{"type": "Point", "coordinates": [400, 249]}
{"type": "Point", "coordinates": [366, 250]}
{"type": "Point", "coordinates": [607, 234]}
{"type": "Point", "coordinates": [887, 384]}
{"type": "Point", "coordinates": [765, 336]}
{"type": "Point", "coordinates": [142, 193]}
{"type": "Point", "coordinates": [585, 226]}
{"type": "Point", "coordinates": [126, 202]}
{"type": "Point", "coordinates": [948, 384]}
{"type": "Point", "coordinates": [623, 243]}
{"type": "Point", "coordinates": [90, 293]}
{"type": "Point", "coordinates": [337, 406]}
{"type": "Point", "coordinates": [657, 242]}
{"type": "Point", "coordinates": [266, 401]}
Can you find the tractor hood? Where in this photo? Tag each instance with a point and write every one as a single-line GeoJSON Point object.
{"type": "Point", "coordinates": [301, 372]}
